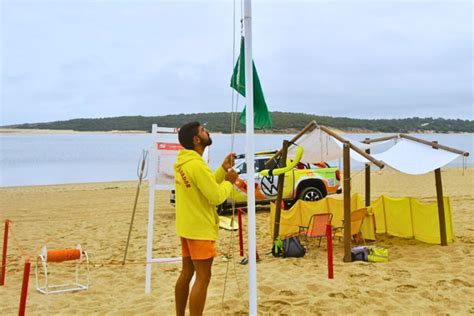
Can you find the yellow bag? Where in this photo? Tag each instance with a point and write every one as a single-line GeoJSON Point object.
{"type": "Point", "coordinates": [378, 254]}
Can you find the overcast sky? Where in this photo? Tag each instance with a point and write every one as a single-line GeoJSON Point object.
{"type": "Point", "coordinates": [360, 59]}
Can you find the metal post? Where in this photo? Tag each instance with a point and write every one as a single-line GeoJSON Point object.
{"type": "Point", "coordinates": [151, 211]}
{"type": "Point", "coordinates": [249, 154]}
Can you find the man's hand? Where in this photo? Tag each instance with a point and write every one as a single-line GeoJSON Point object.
{"type": "Point", "coordinates": [231, 176]}
{"type": "Point", "coordinates": [228, 161]}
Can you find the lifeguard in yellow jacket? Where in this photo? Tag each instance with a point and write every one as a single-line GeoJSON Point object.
{"type": "Point", "coordinates": [198, 192]}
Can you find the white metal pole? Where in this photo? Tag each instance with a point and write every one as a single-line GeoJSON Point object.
{"type": "Point", "coordinates": [250, 152]}
{"type": "Point", "coordinates": [151, 210]}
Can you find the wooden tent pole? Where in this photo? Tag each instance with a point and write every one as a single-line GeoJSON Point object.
{"type": "Point", "coordinates": [281, 182]}
{"type": "Point", "coordinates": [347, 202]}
{"type": "Point", "coordinates": [440, 200]}
{"type": "Point", "coordinates": [442, 218]}
{"type": "Point", "coordinates": [435, 144]}
{"type": "Point", "coordinates": [379, 139]}
{"type": "Point", "coordinates": [312, 125]}
{"type": "Point", "coordinates": [308, 128]}
{"type": "Point", "coordinates": [367, 180]}
{"type": "Point", "coordinates": [441, 214]}
{"type": "Point", "coordinates": [376, 162]}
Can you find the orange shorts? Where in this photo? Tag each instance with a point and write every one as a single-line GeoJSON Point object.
{"type": "Point", "coordinates": [198, 249]}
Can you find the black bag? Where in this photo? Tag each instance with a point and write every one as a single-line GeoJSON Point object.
{"type": "Point", "coordinates": [360, 253]}
{"type": "Point", "coordinates": [293, 248]}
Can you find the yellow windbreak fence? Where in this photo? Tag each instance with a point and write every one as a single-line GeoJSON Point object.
{"type": "Point", "coordinates": [301, 212]}
{"type": "Point", "coordinates": [409, 218]}
{"type": "Point", "coordinates": [402, 217]}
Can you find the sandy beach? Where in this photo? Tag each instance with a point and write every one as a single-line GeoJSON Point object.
{"type": "Point", "coordinates": [419, 278]}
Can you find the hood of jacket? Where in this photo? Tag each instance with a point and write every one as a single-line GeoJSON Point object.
{"type": "Point", "coordinates": [186, 155]}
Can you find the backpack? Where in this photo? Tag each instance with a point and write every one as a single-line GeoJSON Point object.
{"type": "Point", "coordinates": [292, 247]}
{"type": "Point", "coordinates": [378, 254]}
{"type": "Point", "coordinates": [360, 253]}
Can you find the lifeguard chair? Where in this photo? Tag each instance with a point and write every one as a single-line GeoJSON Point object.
{"type": "Point", "coordinates": [78, 255]}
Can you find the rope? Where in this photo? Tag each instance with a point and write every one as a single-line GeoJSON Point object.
{"type": "Point", "coordinates": [321, 145]}
{"type": "Point", "coordinates": [233, 127]}
{"type": "Point", "coordinates": [464, 165]}
{"type": "Point", "coordinates": [41, 219]}
{"type": "Point", "coordinates": [233, 91]}
{"type": "Point", "coordinates": [358, 172]}
{"type": "Point", "coordinates": [26, 254]}
{"type": "Point", "coordinates": [23, 252]}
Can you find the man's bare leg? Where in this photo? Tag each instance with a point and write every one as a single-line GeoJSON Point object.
{"type": "Point", "coordinates": [197, 299]}
{"type": "Point", "coordinates": [181, 291]}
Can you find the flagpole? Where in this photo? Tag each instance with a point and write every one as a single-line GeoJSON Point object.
{"type": "Point", "coordinates": [249, 154]}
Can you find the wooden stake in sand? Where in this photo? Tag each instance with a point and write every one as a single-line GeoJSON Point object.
{"type": "Point", "coordinates": [330, 257]}
{"type": "Point", "coordinates": [24, 287]}
{"type": "Point", "coordinates": [241, 238]}
{"type": "Point", "coordinates": [4, 253]}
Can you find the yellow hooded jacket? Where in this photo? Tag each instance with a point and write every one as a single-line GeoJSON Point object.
{"type": "Point", "coordinates": [198, 192]}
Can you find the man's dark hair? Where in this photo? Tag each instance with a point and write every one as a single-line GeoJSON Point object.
{"type": "Point", "coordinates": [186, 134]}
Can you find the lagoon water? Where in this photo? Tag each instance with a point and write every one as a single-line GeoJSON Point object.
{"type": "Point", "coordinates": [42, 159]}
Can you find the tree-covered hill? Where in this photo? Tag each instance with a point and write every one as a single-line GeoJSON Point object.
{"type": "Point", "coordinates": [282, 122]}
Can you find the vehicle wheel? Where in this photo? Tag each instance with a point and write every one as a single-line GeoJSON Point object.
{"type": "Point", "coordinates": [311, 194]}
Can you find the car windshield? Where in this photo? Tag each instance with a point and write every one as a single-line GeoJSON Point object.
{"type": "Point", "coordinates": [241, 165]}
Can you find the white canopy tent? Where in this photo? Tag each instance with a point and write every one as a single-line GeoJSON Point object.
{"type": "Point", "coordinates": [408, 155]}
{"type": "Point", "coordinates": [320, 146]}
{"type": "Point", "coordinates": [413, 157]}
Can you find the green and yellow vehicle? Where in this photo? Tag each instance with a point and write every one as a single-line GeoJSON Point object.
{"type": "Point", "coordinates": [306, 181]}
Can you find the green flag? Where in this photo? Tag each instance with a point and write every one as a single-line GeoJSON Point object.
{"type": "Point", "coordinates": [261, 117]}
